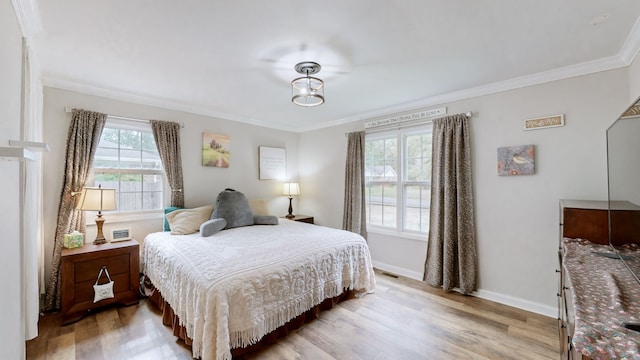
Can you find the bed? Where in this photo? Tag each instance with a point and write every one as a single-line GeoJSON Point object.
{"type": "Point", "coordinates": [230, 289]}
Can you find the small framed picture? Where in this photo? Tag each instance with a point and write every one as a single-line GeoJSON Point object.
{"type": "Point", "coordinates": [516, 160]}
{"type": "Point", "coordinates": [544, 122]}
{"type": "Point", "coordinates": [215, 150]}
{"type": "Point", "coordinates": [273, 163]}
{"type": "Point", "coordinates": [120, 234]}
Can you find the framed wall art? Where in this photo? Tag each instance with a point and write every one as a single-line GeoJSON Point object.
{"type": "Point", "coordinates": [215, 150]}
{"type": "Point", "coordinates": [544, 122]}
{"type": "Point", "coordinates": [273, 163]}
{"type": "Point", "coordinates": [516, 160]}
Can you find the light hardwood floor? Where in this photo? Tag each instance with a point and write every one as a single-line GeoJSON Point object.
{"type": "Point", "coordinates": [403, 319]}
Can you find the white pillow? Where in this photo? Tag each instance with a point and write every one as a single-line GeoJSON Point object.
{"type": "Point", "coordinates": [188, 221]}
{"type": "Point", "coordinates": [259, 206]}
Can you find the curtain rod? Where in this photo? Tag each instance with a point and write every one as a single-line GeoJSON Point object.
{"type": "Point", "coordinates": [68, 109]}
{"type": "Point", "coordinates": [468, 114]}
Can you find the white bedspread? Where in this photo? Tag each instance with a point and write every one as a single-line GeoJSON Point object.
{"type": "Point", "coordinates": [232, 288]}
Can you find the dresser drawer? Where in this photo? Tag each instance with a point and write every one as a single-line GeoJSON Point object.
{"type": "Point", "coordinates": [88, 270]}
{"type": "Point", "coordinates": [84, 290]}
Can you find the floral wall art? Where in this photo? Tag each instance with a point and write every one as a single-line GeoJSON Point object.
{"type": "Point", "coordinates": [516, 160]}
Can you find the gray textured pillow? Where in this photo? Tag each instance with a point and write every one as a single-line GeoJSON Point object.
{"type": "Point", "coordinates": [234, 207]}
{"type": "Point", "coordinates": [212, 226]}
{"type": "Point", "coordinates": [265, 220]}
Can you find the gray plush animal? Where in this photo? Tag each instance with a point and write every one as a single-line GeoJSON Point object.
{"type": "Point", "coordinates": [232, 210]}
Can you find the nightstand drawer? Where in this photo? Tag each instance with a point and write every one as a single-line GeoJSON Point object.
{"type": "Point", "coordinates": [88, 270]}
{"type": "Point", "coordinates": [306, 219]}
{"type": "Point", "coordinates": [84, 290]}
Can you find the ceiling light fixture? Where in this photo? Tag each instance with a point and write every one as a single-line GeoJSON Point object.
{"type": "Point", "coordinates": [307, 90]}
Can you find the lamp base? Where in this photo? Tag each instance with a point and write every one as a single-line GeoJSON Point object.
{"type": "Point", "coordinates": [100, 237]}
{"type": "Point", "coordinates": [290, 214]}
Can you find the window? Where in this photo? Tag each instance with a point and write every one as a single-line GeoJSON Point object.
{"type": "Point", "coordinates": [398, 180]}
{"type": "Point", "coordinates": [127, 160]}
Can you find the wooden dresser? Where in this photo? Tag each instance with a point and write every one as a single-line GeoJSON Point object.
{"type": "Point", "coordinates": [80, 268]}
{"type": "Point", "coordinates": [589, 220]}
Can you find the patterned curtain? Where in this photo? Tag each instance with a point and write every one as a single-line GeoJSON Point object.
{"type": "Point", "coordinates": [451, 252]}
{"type": "Point", "coordinates": [354, 216]}
{"type": "Point", "coordinates": [82, 141]}
{"type": "Point", "coordinates": [167, 136]}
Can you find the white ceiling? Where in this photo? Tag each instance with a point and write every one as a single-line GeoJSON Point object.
{"type": "Point", "coordinates": [235, 59]}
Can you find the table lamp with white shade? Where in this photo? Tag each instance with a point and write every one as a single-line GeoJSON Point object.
{"type": "Point", "coordinates": [97, 199]}
{"type": "Point", "coordinates": [290, 189]}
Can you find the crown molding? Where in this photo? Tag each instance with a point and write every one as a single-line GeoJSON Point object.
{"type": "Point", "coordinates": [83, 88]}
{"type": "Point", "coordinates": [590, 67]}
{"type": "Point", "coordinates": [627, 54]}
{"type": "Point", "coordinates": [631, 46]}
{"type": "Point", "coordinates": [585, 68]}
{"type": "Point", "coordinates": [625, 57]}
{"type": "Point", "coordinates": [28, 16]}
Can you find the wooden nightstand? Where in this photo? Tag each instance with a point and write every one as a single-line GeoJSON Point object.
{"type": "Point", "coordinates": [80, 267]}
{"type": "Point", "coordinates": [302, 218]}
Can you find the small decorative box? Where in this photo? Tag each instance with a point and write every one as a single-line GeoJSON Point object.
{"type": "Point", "coordinates": [73, 240]}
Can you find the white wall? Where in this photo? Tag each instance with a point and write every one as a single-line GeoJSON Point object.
{"type": "Point", "coordinates": [634, 79]}
{"type": "Point", "coordinates": [11, 326]}
{"type": "Point", "coordinates": [517, 217]}
{"type": "Point", "coordinates": [201, 184]}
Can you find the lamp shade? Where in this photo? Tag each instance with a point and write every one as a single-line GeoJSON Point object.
{"type": "Point", "coordinates": [291, 188]}
{"type": "Point", "coordinates": [307, 91]}
{"type": "Point", "coordinates": [97, 199]}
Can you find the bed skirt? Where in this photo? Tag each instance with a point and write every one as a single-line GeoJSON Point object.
{"type": "Point", "coordinates": [172, 320]}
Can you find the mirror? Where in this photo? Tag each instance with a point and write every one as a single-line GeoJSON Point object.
{"type": "Point", "coordinates": [623, 175]}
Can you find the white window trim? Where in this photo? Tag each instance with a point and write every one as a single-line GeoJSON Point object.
{"type": "Point", "coordinates": [400, 134]}
{"type": "Point", "coordinates": [399, 234]}
{"type": "Point", "coordinates": [123, 217]}
{"type": "Point", "coordinates": [128, 216]}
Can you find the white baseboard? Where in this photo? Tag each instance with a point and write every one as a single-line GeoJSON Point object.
{"type": "Point", "coordinates": [519, 303]}
{"type": "Point", "coordinates": [398, 270]}
{"type": "Point", "coordinates": [550, 311]}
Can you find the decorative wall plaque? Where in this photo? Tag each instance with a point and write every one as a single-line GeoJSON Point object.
{"type": "Point", "coordinates": [544, 122]}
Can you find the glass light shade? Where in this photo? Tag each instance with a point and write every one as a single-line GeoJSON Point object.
{"type": "Point", "coordinates": [97, 199]}
{"type": "Point", "coordinates": [291, 188]}
{"type": "Point", "coordinates": [307, 91]}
